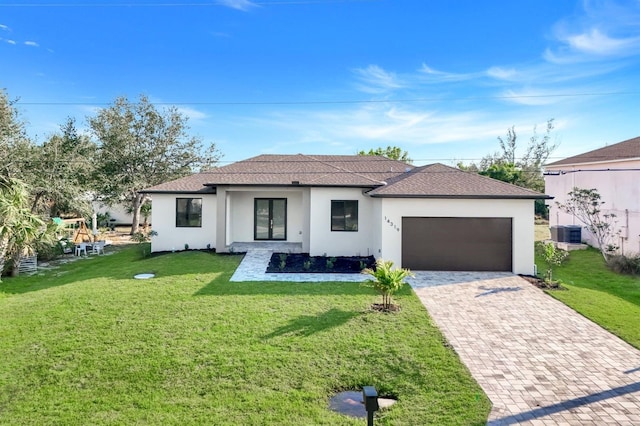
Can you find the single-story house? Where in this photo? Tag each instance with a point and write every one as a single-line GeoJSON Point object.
{"type": "Point", "coordinates": [614, 171]}
{"type": "Point", "coordinates": [432, 217]}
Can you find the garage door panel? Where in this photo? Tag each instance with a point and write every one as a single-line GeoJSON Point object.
{"type": "Point", "coordinates": [457, 244]}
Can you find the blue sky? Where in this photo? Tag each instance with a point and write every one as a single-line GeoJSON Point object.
{"type": "Point", "coordinates": [441, 79]}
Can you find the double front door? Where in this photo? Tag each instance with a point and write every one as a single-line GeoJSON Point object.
{"type": "Point", "coordinates": [270, 219]}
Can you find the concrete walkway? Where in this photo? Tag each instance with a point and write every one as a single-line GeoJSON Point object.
{"type": "Point", "coordinates": [540, 362]}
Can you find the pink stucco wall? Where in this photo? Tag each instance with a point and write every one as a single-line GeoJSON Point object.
{"type": "Point", "coordinates": [618, 183]}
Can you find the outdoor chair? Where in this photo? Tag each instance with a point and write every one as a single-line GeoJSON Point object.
{"type": "Point", "coordinates": [98, 247]}
{"type": "Point", "coordinates": [81, 248]}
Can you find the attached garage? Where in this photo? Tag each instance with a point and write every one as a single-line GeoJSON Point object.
{"type": "Point", "coordinates": [457, 244]}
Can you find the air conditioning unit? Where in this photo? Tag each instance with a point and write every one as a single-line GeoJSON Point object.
{"type": "Point", "coordinates": [571, 234]}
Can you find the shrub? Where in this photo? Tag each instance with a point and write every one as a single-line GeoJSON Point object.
{"type": "Point", "coordinates": [331, 262]}
{"type": "Point", "coordinates": [141, 238]}
{"type": "Point", "coordinates": [307, 265]}
{"type": "Point", "coordinates": [621, 264]}
{"type": "Point", "coordinates": [386, 280]}
{"type": "Point", "coordinates": [553, 257]}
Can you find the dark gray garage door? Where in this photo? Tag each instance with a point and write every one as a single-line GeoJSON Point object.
{"type": "Point", "coordinates": [456, 244]}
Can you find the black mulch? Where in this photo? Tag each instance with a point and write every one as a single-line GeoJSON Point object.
{"type": "Point", "coordinates": [303, 263]}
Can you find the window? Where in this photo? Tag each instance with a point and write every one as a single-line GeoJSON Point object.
{"type": "Point", "coordinates": [188, 212]}
{"type": "Point", "coordinates": [344, 215]}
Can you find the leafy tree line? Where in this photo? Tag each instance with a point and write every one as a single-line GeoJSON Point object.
{"type": "Point", "coordinates": [392, 152]}
{"type": "Point", "coordinates": [130, 146]}
{"type": "Point", "coordinates": [524, 170]}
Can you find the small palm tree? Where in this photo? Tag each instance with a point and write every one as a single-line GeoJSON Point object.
{"type": "Point", "coordinates": [386, 280]}
{"type": "Point", "coordinates": [20, 229]}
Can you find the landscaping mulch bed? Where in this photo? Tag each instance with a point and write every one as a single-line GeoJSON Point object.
{"type": "Point", "coordinates": [540, 283]}
{"type": "Point", "coordinates": [296, 263]}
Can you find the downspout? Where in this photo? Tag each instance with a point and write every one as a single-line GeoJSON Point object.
{"type": "Point", "coordinates": [625, 236]}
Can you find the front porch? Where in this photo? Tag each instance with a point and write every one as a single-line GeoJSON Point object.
{"type": "Point", "coordinates": [263, 218]}
{"type": "Point", "coordinates": [272, 246]}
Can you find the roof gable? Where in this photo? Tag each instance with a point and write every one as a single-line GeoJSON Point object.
{"type": "Point", "coordinates": [620, 151]}
{"type": "Point", "coordinates": [440, 181]}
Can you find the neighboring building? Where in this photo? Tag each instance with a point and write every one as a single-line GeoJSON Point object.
{"type": "Point", "coordinates": [117, 213]}
{"type": "Point", "coordinates": [614, 171]}
{"type": "Point", "coordinates": [433, 217]}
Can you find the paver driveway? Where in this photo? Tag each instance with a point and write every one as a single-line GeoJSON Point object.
{"type": "Point", "coordinates": [540, 362]}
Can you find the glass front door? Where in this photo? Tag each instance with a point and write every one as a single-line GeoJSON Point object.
{"type": "Point", "coordinates": [270, 219]}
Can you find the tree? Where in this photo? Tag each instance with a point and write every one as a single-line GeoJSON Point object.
{"type": "Point", "coordinates": [585, 205]}
{"type": "Point", "coordinates": [506, 172]}
{"type": "Point", "coordinates": [15, 146]}
{"type": "Point", "coordinates": [553, 256]}
{"type": "Point", "coordinates": [392, 152]}
{"type": "Point", "coordinates": [139, 146]}
{"type": "Point", "coordinates": [65, 164]}
{"type": "Point", "coordinates": [20, 229]}
{"type": "Point", "coordinates": [525, 171]}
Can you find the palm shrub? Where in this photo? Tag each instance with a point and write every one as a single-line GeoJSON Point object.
{"type": "Point", "coordinates": [386, 280]}
{"type": "Point", "coordinates": [20, 228]}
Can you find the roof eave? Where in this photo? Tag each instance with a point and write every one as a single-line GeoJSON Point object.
{"type": "Point", "coordinates": [164, 191]}
{"type": "Point", "coordinates": [473, 197]}
{"type": "Point", "coordinates": [290, 185]}
{"type": "Point", "coordinates": [587, 163]}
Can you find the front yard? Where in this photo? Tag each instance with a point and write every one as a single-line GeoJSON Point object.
{"type": "Point", "coordinates": [87, 344]}
{"type": "Point", "coordinates": [609, 299]}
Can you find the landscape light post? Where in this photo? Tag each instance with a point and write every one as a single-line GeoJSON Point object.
{"type": "Point", "coordinates": [370, 399]}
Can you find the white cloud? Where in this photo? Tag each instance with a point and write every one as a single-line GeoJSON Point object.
{"type": "Point", "coordinates": [596, 42]}
{"type": "Point", "coordinates": [500, 73]}
{"type": "Point", "coordinates": [4, 27]}
{"type": "Point", "coordinates": [532, 97]}
{"type": "Point", "coordinates": [604, 30]}
{"type": "Point", "coordinates": [243, 5]}
{"type": "Point", "coordinates": [31, 43]}
{"type": "Point", "coordinates": [375, 80]}
{"type": "Point", "coordinates": [432, 75]}
{"type": "Point", "coordinates": [10, 41]}
{"type": "Point", "coordinates": [192, 113]}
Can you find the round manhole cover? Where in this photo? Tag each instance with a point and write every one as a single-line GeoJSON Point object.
{"type": "Point", "coordinates": [144, 276]}
{"type": "Point", "coordinates": [349, 403]}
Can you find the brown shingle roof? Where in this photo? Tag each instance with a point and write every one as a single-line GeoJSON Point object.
{"type": "Point", "coordinates": [389, 178]}
{"type": "Point", "coordinates": [306, 170]}
{"type": "Point", "coordinates": [188, 184]}
{"type": "Point", "coordinates": [440, 181]}
{"type": "Point", "coordinates": [619, 151]}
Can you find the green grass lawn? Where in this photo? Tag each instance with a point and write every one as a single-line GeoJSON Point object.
{"type": "Point", "coordinates": [609, 299]}
{"type": "Point", "coordinates": [87, 344]}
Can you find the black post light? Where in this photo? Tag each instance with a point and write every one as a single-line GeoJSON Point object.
{"type": "Point", "coordinates": [370, 399]}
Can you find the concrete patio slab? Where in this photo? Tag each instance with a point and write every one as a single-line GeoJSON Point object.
{"type": "Point", "coordinates": [540, 362]}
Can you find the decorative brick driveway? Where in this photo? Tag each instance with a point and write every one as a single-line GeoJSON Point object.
{"type": "Point", "coordinates": [540, 362]}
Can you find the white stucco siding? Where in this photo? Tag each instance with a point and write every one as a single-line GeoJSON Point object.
{"type": "Point", "coordinates": [619, 189]}
{"type": "Point", "coordinates": [342, 243]}
{"type": "Point", "coordinates": [170, 237]}
{"type": "Point", "coordinates": [241, 212]}
{"type": "Point", "coordinates": [116, 211]}
{"type": "Point", "coordinates": [520, 211]}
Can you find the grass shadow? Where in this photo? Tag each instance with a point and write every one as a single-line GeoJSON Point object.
{"type": "Point", "coordinates": [306, 325]}
{"type": "Point", "coordinates": [124, 264]}
{"type": "Point", "coordinates": [223, 287]}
